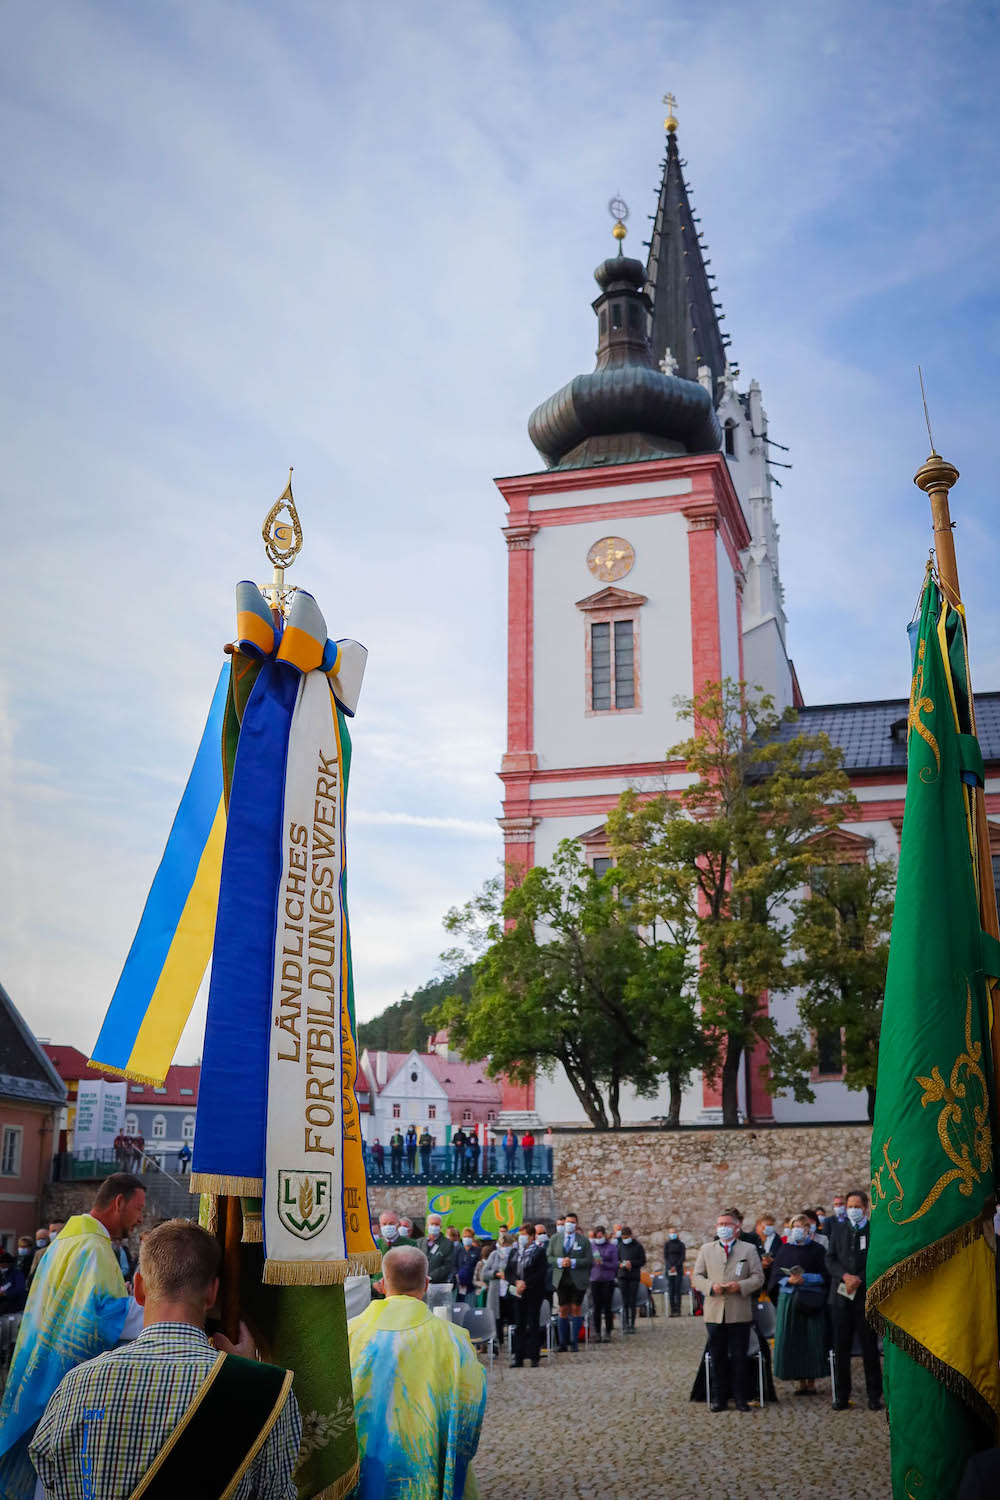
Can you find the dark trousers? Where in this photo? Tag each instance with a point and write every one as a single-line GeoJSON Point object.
{"type": "Point", "coordinates": [459, 1159]}
{"type": "Point", "coordinates": [411, 1159]}
{"type": "Point", "coordinates": [674, 1282]}
{"type": "Point", "coordinates": [526, 1331]}
{"type": "Point", "coordinates": [728, 1344]}
{"type": "Point", "coordinates": [602, 1293]}
{"type": "Point", "coordinates": [630, 1291]}
{"type": "Point", "coordinates": [397, 1163]}
{"type": "Point", "coordinates": [849, 1319]}
{"type": "Point", "coordinates": [425, 1163]}
{"type": "Point", "coordinates": [529, 1157]}
{"type": "Point", "coordinates": [511, 1159]}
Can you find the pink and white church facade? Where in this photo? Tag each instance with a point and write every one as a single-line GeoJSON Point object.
{"type": "Point", "coordinates": [642, 563]}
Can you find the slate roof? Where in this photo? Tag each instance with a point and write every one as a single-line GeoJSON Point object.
{"type": "Point", "coordinates": [864, 730]}
{"type": "Point", "coordinates": [25, 1071]}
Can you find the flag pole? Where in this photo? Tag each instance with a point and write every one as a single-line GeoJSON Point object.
{"type": "Point", "coordinates": [936, 478]}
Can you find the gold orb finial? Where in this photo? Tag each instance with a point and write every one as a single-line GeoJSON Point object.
{"type": "Point", "coordinates": [618, 209]}
{"type": "Point", "coordinates": [670, 123]}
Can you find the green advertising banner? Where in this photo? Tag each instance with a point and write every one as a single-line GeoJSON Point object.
{"type": "Point", "coordinates": [486, 1209]}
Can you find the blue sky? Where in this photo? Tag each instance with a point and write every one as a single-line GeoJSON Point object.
{"type": "Point", "coordinates": [360, 239]}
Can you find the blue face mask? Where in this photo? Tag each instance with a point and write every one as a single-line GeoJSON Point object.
{"type": "Point", "coordinates": [673, 1234]}
{"type": "Point", "coordinates": [841, 1212]}
{"type": "Point", "coordinates": [467, 1243]}
{"type": "Point", "coordinates": [798, 1235]}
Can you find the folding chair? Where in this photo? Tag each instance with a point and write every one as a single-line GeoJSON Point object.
{"type": "Point", "coordinates": [644, 1300]}
{"type": "Point", "coordinates": [481, 1326]}
{"type": "Point", "coordinates": [753, 1352]}
{"type": "Point", "coordinates": [618, 1309]}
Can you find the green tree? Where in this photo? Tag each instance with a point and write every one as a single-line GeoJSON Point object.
{"type": "Point", "coordinates": [840, 928]}
{"type": "Point", "coordinates": [405, 1025]}
{"type": "Point", "coordinates": [719, 858]}
{"type": "Point", "coordinates": [563, 977]}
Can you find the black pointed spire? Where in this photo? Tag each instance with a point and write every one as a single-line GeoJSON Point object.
{"type": "Point", "coordinates": [684, 319]}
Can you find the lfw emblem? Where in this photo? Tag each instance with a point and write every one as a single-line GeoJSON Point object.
{"type": "Point", "coordinates": [304, 1202]}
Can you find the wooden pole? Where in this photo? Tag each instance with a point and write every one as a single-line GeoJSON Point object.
{"type": "Point", "coordinates": [230, 1293]}
{"type": "Point", "coordinates": [936, 478]}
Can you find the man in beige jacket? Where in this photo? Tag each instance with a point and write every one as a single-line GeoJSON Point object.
{"type": "Point", "coordinates": [728, 1273]}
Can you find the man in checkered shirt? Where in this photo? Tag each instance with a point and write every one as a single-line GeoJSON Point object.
{"type": "Point", "coordinates": [110, 1418]}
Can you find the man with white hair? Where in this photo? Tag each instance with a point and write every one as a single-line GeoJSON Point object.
{"type": "Point", "coordinates": [419, 1390]}
{"type": "Point", "coordinates": [440, 1253]}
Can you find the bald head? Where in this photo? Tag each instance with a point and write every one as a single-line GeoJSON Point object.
{"type": "Point", "coordinates": [404, 1272]}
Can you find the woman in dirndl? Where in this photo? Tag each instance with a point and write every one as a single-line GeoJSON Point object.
{"type": "Point", "coordinates": [798, 1285]}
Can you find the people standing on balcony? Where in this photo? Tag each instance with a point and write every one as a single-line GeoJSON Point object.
{"type": "Point", "coordinates": [396, 1152]}
{"type": "Point", "coordinates": [410, 1142]}
{"type": "Point", "coordinates": [425, 1144]}
{"type": "Point", "coordinates": [121, 1160]}
{"type": "Point", "coordinates": [528, 1147]}
{"type": "Point", "coordinates": [472, 1154]}
{"type": "Point", "coordinates": [184, 1159]}
{"type": "Point", "coordinates": [674, 1253]}
{"type": "Point", "coordinates": [510, 1152]}
{"type": "Point", "coordinates": [378, 1157]}
{"type": "Point", "coordinates": [139, 1152]}
{"type": "Point", "coordinates": [631, 1259]}
{"type": "Point", "coordinates": [603, 1280]}
{"type": "Point", "coordinates": [571, 1257]}
{"type": "Point", "coordinates": [458, 1147]}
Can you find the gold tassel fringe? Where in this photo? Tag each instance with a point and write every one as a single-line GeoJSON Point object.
{"type": "Point", "coordinates": [147, 1078]}
{"type": "Point", "coordinates": [921, 1262]}
{"type": "Point", "coordinates": [253, 1229]}
{"type": "Point", "coordinates": [341, 1486]}
{"type": "Point", "coordinates": [229, 1187]}
{"type": "Point", "coordinates": [899, 1276]}
{"type": "Point", "coordinates": [319, 1272]}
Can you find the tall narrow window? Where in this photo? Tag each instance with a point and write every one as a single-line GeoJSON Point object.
{"type": "Point", "coordinates": [829, 1053]}
{"type": "Point", "coordinates": [600, 666]}
{"type": "Point", "coordinates": [10, 1165]}
{"type": "Point", "coordinates": [624, 664]}
{"type": "Point", "coordinates": [730, 431]}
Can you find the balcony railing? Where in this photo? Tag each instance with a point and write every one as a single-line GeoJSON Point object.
{"type": "Point", "coordinates": [445, 1167]}
{"type": "Point", "coordinates": [79, 1166]}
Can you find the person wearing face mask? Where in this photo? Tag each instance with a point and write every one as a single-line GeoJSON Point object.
{"type": "Point", "coordinates": [41, 1245]}
{"type": "Point", "coordinates": [387, 1238]}
{"type": "Point", "coordinates": [839, 1215]}
{"type": "Point", "coordinates": [798, 1285]}
{"type": "Point", "coordinates": [526, 1268]}
{"type": "Point", "coordinates": [440, 1253]}
{"type": "Point", "coordinates": [770, 1241]}
{"type": "Point", "coordinates": [815, 1232]}
{"type": "Point", "coordinates": [603, 1277]}
{"type": "Point", "coordinates": [631, 1259]}
{"type": "Point", "coordinates": [466, 1260]}
{"type": "Point", "coordinates": [728, 1273]}
{"type": "Point", "coordinates": [846, 1262]}
{"type": "Point", "coordinates": [542, 1240]}
{"type": "Point", "coordinates": [571, 1258]}
{"type": "Point", "coordinates": [674, 1254]}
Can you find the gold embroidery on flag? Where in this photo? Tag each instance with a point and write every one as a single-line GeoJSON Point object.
{"type": "Point", "coordinates": [922, 705]}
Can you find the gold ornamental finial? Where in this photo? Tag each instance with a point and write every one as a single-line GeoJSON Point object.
{"type": "Point", "coordinates": [282, 539]}
{"type": "Point", "coordinates": [619, 210]}
{"type": "Point", "coordinates": [670, 123]}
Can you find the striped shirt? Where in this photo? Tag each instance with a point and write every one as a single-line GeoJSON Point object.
{"type": "Point", "coordinates": [110, 1417]}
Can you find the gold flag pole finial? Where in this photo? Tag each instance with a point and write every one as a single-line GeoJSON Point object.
{"type": "Point", "coordinates": [282, 535]}
{"type": "Point", "coordinates": [935, 478]}
{"type": "Point", "coordinates": [670, 123]}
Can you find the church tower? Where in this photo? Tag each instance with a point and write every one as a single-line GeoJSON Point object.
{"type": "Point", "coordinates": [643, 558]}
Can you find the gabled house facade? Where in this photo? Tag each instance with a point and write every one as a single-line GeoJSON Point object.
{"type": "Point", "coordinates": [32, 1096]}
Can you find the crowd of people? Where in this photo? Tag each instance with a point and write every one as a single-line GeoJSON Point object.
{"type": "Point", "coordinates": [466, 1155]}
{"type": "Point", "coordinates": [800, 1284]}
{"type": "Point", "coordinates": [103, 1334]}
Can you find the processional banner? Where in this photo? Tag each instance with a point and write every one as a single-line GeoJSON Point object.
{"type": "Point", "coordinates": [484, 1209]}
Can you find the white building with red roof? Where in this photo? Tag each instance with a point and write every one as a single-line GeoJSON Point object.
{"type": "Point", "coordinates": [433, 1088]}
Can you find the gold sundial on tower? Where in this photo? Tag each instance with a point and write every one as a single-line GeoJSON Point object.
{"type": "Point", "coordinates": [611, 558]}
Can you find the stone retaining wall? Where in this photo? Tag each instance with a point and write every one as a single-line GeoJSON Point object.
{"type": "Point", "coordinates": [655, 1178]}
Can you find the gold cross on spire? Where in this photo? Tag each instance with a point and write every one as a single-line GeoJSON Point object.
{"type": "Point", "coordinates": [670, 123]}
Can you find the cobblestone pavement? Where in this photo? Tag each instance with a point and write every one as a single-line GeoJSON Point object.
{"type": "Point", "coordinates": [619, 1416]}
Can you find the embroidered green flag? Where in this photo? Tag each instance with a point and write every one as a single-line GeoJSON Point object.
{"type": "Point", "coordinates": [931, 1268]}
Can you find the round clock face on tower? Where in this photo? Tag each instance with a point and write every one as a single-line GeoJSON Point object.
{"type": "Point", "coordinates": [611, 558]}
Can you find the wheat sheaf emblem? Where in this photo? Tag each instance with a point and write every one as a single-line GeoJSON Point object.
{"type": "Point", "coordinates": [306, 1199]}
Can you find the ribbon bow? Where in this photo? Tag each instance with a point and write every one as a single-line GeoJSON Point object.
{"type": "Point", "coordinates": [300, 642]}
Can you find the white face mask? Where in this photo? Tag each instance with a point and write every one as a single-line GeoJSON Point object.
{"type": "Point", "coordinates": [797, 1236]}
{"type": "Point", "coordinates": [523, 1240]}
{"type": "Point", "coordinates": [840, 1211]}
{"type": "Point", "coordinates": [626, 1240]}
{"type": "Point", "coordinates": [570, 1228]}
{"type": "Point", "coordinates": [598, 1239]}
{"type": "Point", "coordinates": [467, 1243]}
{"type": "Point", "coordinates": [390, 1231]}
{"type": "Point", "coordinates": [726, 1233]}
{"type": "Point", "coordinates": [434, 1230]}
{"type": "Point", "coordinates": [856, 1216]}
{"type": "Point", "coordinates": [541, 1239]}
